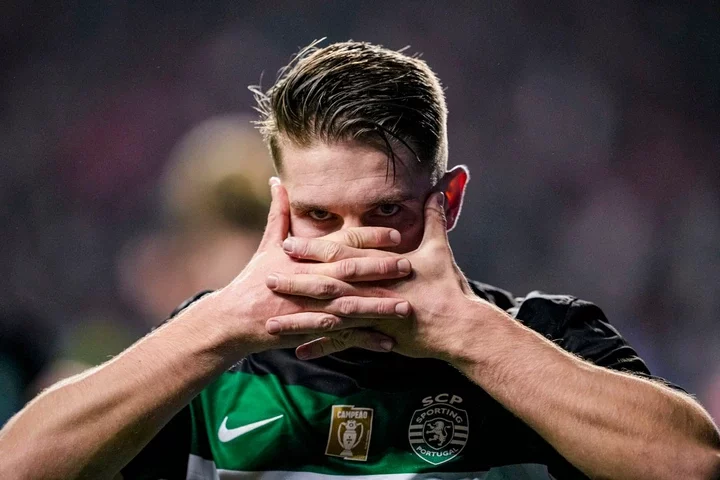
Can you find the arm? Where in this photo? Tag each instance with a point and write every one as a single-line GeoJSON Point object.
{"type": "Point", "coordinates": [92, 425]}
{"type": "Point", "coordinates": [608, 424]}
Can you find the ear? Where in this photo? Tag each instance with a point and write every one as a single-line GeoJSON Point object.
{"type": "Point", "coordinates": [453, 184]}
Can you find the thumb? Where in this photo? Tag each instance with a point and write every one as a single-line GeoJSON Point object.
{"type": "Point", "coordinates": [435, 221]}
{"type": "Point", "coordinates": [278, 222]}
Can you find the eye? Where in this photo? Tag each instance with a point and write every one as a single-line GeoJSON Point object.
{"type": "Point", "coordinates": [388, 209]}
{"type": "Point", "coordinates": [319, 215]}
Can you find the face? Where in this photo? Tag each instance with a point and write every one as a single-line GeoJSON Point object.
{"type": "Point", "coordinates": [345, 185]}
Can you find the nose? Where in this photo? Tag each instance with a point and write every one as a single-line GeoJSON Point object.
{"type": "Point", "coordinates": [352, 222]}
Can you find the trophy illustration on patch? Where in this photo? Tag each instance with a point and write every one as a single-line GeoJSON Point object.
{"type": "Point", "coordinates": [350, 437]}
{"type": "Point", "coordinates": [350, 429]}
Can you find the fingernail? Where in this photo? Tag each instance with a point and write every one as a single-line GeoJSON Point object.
{"type": "Point", "coordinates": [403, 265]}
{"type": "Point", "coordinates": [289, 245]}
{"type": "Point", "coordinates": [272, 326]}
{"type": "Point", "coordinates": [273, 181]}
{"type": "Point", "coordinates": [440, 199]}
{"type": "Point", "coordinates": [402, 308]}
{"type": "Point", "coordinates": [302, 354]}
{"type": "Point", "coordinates": [395, 236]}
{"type": "Point", "coordinates": [386, 345]}
{"type": "Point", "coordinates": [272, 282]}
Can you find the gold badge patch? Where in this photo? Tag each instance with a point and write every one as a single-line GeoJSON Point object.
{"type": "Point", "coordinates": [350, 429]}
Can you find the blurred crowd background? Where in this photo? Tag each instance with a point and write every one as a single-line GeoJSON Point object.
{"type": "Point", "coordinates": [131, 177]}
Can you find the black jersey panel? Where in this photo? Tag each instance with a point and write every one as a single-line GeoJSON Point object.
{"type": "Point", "coordinates": [502, 298]}
{"type": "Point", "coordinates": [166, 455]}
{"type": "Point", "coordinates": [586, 332]}
{"type": "Point", "coordinates": [345, 372]}
{"type": "Point", "coordinates": [188, 302]}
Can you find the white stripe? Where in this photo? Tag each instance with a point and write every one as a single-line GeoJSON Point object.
{"type": "Point", "coordinates": [201, 469]}
{"type": "Point", "coordinates": [461, 435]}
{"type": "Point", "coordinates": [416, 427]}
{"type": "Point", "coordinates": [461, 429]}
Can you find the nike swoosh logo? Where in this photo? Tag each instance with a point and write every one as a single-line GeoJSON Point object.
{"type": "Point", "coordinates": [226, 434]}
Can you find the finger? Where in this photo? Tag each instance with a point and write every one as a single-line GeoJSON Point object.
{"type": "Point", "coordinates": [360, 307]}
{"type": "Point", "coordinates": [435, 221]}
{"type": "Point", "coordinates": [306, 285]}
{"type": "Point", "coordinates": [365, 339]}
{"type": "Point", "coordinates": [278, 223]}
{"type": "Point", "coordinates": [313, 323]}
{"type": "Point", "coordinates": [365, 237]}
{"type": "Point", "coordinates": [321, 250]}
{"type": "Point", "coordinates": [364, 269]}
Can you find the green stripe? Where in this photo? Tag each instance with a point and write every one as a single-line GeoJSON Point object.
{"type": "Point", "coordinates": [297, 442]}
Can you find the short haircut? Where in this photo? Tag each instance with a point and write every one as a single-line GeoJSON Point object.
{"type": "Point", "coordinates": [357, 91]}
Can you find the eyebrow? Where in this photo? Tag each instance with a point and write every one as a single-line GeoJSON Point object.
{"type": "Point", "coordinates": [383, 200]}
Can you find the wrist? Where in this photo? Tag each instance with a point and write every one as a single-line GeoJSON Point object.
{"type": "Point", "coordinates": [209, 326]}
{"type": "Point", "coordinates": [488, 330]}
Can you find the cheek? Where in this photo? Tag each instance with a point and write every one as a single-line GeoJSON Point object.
{"type": "Point", "coordinates": [411, 235]}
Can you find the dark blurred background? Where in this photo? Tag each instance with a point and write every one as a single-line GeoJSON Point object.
{"type": "Point", "coordinates": [130, 175]}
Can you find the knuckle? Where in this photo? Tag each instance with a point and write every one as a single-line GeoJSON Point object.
{"type": "Point", "coordinates": [333, 251]}
{"type": "Point", "coordinates": [384, 307]}
{"type": "Point", "coordinates": [354, 239]}
{"type": "Point", "coordinates": [345, 337]}
{"type": "Point", "coordinates": [327, 290]}
{"type": "Point", "coordinates": [348, 268]}
{"type": "Point", "coordinates": [386, 266]}
{"type": "Point", "coordinates": [327, 322]}
{"type": "Point", "coordinates": [348, 306]}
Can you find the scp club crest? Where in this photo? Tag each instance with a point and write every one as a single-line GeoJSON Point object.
{"type": "Point", "coordinates": [439, 431]}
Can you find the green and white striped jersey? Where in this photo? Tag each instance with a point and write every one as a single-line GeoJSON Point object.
{"type": "Point", "coordinates": [371, 415]}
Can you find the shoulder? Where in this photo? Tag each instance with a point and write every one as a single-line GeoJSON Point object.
{"type": "Point", "coordinates": [576, 325]}
{"type": "Point", "coordinates": [543, 312]}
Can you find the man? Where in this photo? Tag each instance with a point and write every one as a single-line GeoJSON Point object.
{"type": "Point", "coordinates": [479, 384]}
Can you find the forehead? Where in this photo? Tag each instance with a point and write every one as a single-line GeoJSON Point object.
{"type": "Point", "coordinates": [348, 173]}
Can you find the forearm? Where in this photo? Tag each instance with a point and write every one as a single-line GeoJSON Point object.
{"type": "Point", "coordinates": [608, 424]}
{"type": "Point", "coordinates": [92, 425]}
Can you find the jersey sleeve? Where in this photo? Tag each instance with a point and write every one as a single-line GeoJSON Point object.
{"type": "Point", "coordinates": [586, 332]}
{"type": "Point", "coordinates": [581, 327]}
{"type": "Point", "coordinates": [166, 455]}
